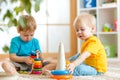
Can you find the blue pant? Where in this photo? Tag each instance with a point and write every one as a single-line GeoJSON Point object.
{"type": "Point", "coordinates": [83, 69]}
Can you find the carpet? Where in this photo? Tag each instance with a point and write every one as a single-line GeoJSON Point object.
{"type": "Point", "coordinates": [113, 73]}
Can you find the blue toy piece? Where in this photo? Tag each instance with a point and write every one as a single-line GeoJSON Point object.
{"type": "Point", "coordinates": [33, 54]}
{"type": "Point", "coordinates": [60, 72]}
{"type": "Point", "coordinates": [89, 3]}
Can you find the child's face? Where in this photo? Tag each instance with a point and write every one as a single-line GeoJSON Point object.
{"type": "Point", "coordinates": [84, 32]}
{"type": "Point", "coordinates": [26, 35]}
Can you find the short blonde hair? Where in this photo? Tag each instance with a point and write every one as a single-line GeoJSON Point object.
{"type": "Point", "coordinates": [26, 23]}
{"type": "Point", "coordinates": [85, 19]}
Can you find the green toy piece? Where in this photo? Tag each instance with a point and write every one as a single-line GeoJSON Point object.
{"type": "Point", "coordinates": [107, 27]}
{"type": "Point", "coordinates": [23, 72]}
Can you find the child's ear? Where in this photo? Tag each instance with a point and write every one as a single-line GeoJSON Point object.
{"type": "Point", "coordinates": [93, 29]}
{"type": "Point", "coordinates": [18, 30]}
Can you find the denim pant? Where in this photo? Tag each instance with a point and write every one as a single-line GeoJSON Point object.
{"type": "Point", "coordinates": [83, 69]}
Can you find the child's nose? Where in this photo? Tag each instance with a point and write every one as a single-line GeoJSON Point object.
{"type": "Point", "coordinates": [29, 37]}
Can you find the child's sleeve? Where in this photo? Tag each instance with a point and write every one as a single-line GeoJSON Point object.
{"type": "Point", "coordinates": [38, 45]}
{"type": "Point", "coordinates": [13, 47]}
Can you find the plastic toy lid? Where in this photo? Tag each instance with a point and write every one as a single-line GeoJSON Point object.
{"type": "Point", "coordinates": [36, 72]}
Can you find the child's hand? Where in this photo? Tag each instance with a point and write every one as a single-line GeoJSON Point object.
{"type": "Point", "coordinates": [37, 51]}
{"type": "Point", "coordinates": [28, 61]}
{"type": "Point", "coordinates": [71, 67]}
{"type": "Point", "coordinates": [39, 54]}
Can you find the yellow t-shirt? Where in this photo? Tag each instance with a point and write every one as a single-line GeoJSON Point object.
{"type": "Point", "coordinates": [98, 55]}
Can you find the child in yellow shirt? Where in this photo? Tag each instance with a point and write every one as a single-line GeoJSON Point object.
{"type": "Point", "coordinates": [92, 58]}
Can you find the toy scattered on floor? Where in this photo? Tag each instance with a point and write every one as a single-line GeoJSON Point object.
{"type": "Point", "coordinates": [61, 72]}
{"type": "Point", "coordinates": [23, 72]}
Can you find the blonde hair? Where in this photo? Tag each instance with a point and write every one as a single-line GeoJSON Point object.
{"type": "Point", "coordinates": [85, 19]}
{"type": "Point", "coordinates": [26, 23]}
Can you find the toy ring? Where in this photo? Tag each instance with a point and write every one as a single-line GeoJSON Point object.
{"type": "Point", "coordinates": [37, 59]}
{"type": "Point", "coordinates": [33, 57]}
{"type": "Point", "coordinates": [37, 62]}
{"type": "Point", "coordinates": [37, 66]}
{"type": "Point", "coordinates": [36, 72]}
{"type": "Point", "coordinates": [61, 76]}
{"type": "Point", "coordinates": [37, 69]}
{"type": "Point", "coordinates": [60, 72]}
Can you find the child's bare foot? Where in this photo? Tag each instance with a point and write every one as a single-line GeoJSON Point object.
{"type": "Point", "coordinates": [9, 68]}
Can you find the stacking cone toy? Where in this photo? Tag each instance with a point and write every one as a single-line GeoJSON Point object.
{"type": "Point", "coordinates": [61, 58]}
{"type": "Point", "coordinates": [61, 72]}
{"type": "Point", "coordinates": [37, 66]}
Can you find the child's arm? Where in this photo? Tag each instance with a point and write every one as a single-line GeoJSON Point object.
{"type": "Point", "coordinates": [78, 61]}
{"type": "Point", "coordinates": [15, 58]}
{"type": "Point", "coordinates": [81, 58]}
